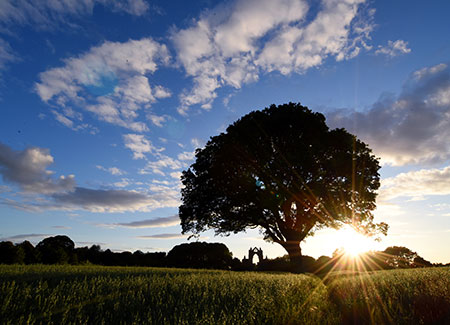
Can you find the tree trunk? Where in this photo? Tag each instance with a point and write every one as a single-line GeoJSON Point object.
{"type": "Point", "coordinates": [295, 255]}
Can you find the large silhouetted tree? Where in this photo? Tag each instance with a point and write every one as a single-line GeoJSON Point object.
{"type": "Point", "coordinates": [284, 171]}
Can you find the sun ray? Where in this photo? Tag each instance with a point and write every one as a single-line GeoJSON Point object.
{"type": "Point", "coordinates": [354, 243]}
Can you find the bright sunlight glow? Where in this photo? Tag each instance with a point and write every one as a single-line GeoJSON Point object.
{"type": "Point", "coordinates": [354, 243]}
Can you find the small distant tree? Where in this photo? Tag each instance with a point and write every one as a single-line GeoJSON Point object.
{"type": "Point", "coordinates": [281, 170]}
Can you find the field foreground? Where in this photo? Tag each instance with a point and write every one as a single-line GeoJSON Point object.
{"type": "Point", "coordinates": [40, 294]}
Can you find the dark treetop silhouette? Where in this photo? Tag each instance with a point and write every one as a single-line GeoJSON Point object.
{"type": "Point", "coordinates": [281, 170]}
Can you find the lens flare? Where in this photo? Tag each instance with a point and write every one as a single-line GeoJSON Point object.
{"type": "Point", "coordinates": [354, 243]}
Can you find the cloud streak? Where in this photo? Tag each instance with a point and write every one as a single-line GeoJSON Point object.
{"type": "Point", "coordinates": [23, 237]}
{"type": "Point", "coordinates": [163, 236]}
{"type": "Point", "coordinates": [48, 13]}
{"type": "Point", "coordinates": [149, 223]}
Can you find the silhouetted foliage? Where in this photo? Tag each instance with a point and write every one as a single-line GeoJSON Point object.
{"type": "Point", "coordinates": [281, 170]}
{"type": "Point", "coordinates": [31, 255]}
{"type": "Point", "coordinates": [56, 250]}
{"type": "Point", "coordinates": [324, 264]}
{"type": "Point", "coordinates": [419, 261]}
{"type": "Point", "coordinates": [10, 254]}
{"type": "Point", "coordinates": [200, 255]}
{"type": "Point", "coordinates": [399, 257]}
{"type": "Point", "coordinates": [61, 250]}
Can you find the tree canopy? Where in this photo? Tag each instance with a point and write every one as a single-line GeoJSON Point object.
{"type": "Point", "coordinates": [284, 171]}
{"type": "Point", "coordinates": [200, 255]}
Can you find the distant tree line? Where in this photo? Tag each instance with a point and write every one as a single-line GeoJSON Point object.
{"type": "Point", "coordinates": [61, 250]}
{"type": "Point", "coordinates": [393, 257]}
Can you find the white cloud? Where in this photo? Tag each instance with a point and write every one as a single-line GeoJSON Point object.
{"type": "Point", "coordinates": [186, 155]}
{"type": "Point", "coordinates": [392, 49]}
{"type": "Point", "coordinates": [157, 120]}
{"type": "Point", "coordinates": [410, 128]}
{"type": "Point", "coordinates": [176, 175]}
{"type": "Point", "coordinates": [112, 170]}
{"type": "Point", "coordinates": [28, 170]}
{"type": "Point", "coordinates": [336, 31]}
{"type": "Point", "coordinates": [232, 44]}
{"type": "Point", "coordinates": [139, 145]}
{"type": "Point", "coordinates": [164, 162]}
{"type": "Point", "coordinates": [124, 182]}
{"type": "Point", "coordinates": [63, 119]}
{"type": "Point", "coordinates": [429, 71]}
{"type": "Point", "coordinates": [196, 143]}
{"type": "Point", "coordinates": [109, 81]}
{"type": "Point", "coordinates": [413, 184]}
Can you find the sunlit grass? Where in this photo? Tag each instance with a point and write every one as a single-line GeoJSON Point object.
{"type": "Point", "coordinates": [66, 294]}
{"type": "Point", "coordinates": [40, 294]}
{"type": "Point", "coordinates": [413, 296]}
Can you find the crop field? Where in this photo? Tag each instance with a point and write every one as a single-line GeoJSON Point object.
{"type": "Point", "coordinates": [40, 294]}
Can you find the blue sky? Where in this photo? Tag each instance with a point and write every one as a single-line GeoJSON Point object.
{"type": "Point", "coordinates": [103, 103]}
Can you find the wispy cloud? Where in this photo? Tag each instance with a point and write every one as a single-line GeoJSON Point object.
{"type": "Point", "coordinates": [61, 227]}
{"type": "Point", "coordinates": [88, 243]}
{"type": "Point", "coordinates": [392, 49]}
{"type": "Point", "coordinates": [112, 170]}
{"type": "Point", "coordinates": [163, 236]}
{"type": "Point", "coordinates": [48, 13]}
{"type": "Point", "coordinates": [148, 223]}
{"type": "Point", "coordinates": [23, 237]}
{"type": "Point", "coordinates": [6, 54]}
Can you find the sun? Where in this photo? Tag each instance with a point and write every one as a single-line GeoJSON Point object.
{"type": "Point", "coordinates": [354, 243]}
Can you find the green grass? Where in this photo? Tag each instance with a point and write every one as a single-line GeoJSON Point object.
{"type": "Point", "coordinates": [118, 295]}
{"type": "Point", "coordinates": [414, 296]}
{"type": "Point", "coordinates": [40, 294]}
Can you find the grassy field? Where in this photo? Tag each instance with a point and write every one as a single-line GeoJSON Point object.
{"type": "Point", "coordinates": [119, 295]}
